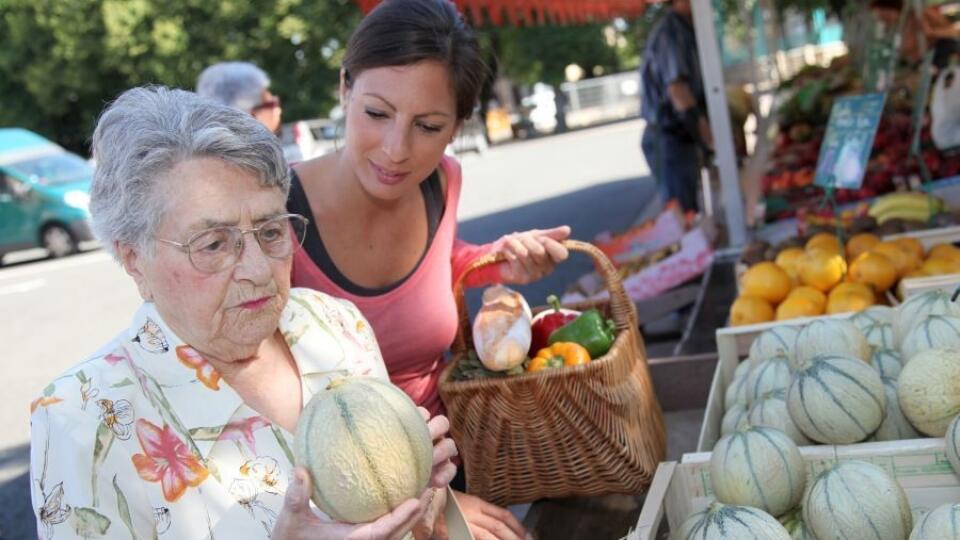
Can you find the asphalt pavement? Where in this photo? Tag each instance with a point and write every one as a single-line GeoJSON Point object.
{"type": "Point", "coordinates": [54, 313]}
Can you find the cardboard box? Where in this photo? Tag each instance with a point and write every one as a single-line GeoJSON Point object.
{"type": "Point", "coordinates": [920, 467]}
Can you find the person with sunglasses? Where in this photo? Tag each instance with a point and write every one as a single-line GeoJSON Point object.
{"type": "Point", "coordinates": [182, 424]}
{"type": "Point", "coordinates": [243, 86]}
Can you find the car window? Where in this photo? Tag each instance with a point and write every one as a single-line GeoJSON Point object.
{"type": "Point", "coordinates": [52, 169]}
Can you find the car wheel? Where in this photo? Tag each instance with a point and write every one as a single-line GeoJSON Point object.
{"type": "Point", "coordinates": [58, 241]}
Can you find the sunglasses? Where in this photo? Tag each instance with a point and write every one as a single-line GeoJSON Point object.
{"type": "Point", "coordinates": [268, 104]}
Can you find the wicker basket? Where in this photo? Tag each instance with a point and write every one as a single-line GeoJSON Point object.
{"type": "Point", "coordinates": [582, 430]}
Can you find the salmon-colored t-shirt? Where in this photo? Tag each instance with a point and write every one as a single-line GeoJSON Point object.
{"type": "Point", "coordinates": [415, 322]}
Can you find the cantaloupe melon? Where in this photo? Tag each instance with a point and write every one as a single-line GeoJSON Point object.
{"type": "Point", "coordinates": [943, 523]}
{"type": "Point", "coordinates": [777, 341]}
{"type": "Point", "coordinates": [929, 390]}
{"type": "Point", "coordinates": [917, 308]}
{"type": "Point", "coordinates": [856, 499]}
{"type": "Point", "coordinates": [769, 375]}
{"type": "Point", "coordinates": [736, 392]}
{"type": "Point", "coordinates": [734, 419]}
{"type": "Point", "coordinates": [952, 442]}
{"type": "Point", "coordinates": [873, 315]}
{"type": "Point", "coordinates": [836, 399]}
{"type": "Point", "coordinates": [771, 411]}
{"type": "Point", "coordinates": [895, 426]}
{"type": "Point", "coordinates": [366, 446]}
{"type": "Point", "coordinates": [759, 467]}
{"type": "Point", "coordinates": [879, 336]}
{"type": "Point", "coordinates": [934, 332]}
{"type": "Point", "coordinates": [830, 336]}
{"type": "Point", "coordinates": [887, 363]}
{"type": "Point", "coordinates": [728, 522]}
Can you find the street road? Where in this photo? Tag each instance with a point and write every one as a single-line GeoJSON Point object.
{"type": "Point", "coordinates": [55, 313]}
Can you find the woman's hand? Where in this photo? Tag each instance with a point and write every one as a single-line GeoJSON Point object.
{"type": "Point", "coordinates": [444, 449]}
{"type": "Point", "coordinates": [298, 522]}
{"type": "Point", "coordinates": [489, 522]}
{"type": "Point", "coordinates": [531, 255]}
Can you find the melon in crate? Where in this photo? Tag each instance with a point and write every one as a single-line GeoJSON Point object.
{"type": "Point", "coordinates": [887, 363]}
{"type": "Point", "coordinates": [836, 399]}
{"type": "Point", "coordinates": [856, 499]}
{"type": "Point", "coordinates": [771, 411]}
{"type": "Point", "coordinates": [879, 336]}
{"type": "Point", "coordinates": [873, 315]}
{"type": "Point", "coordinates": [737, 391]}
{"type": "Point", "coordinates": [952, 444]}
{"type": "Point", "coordinates": [734, 419]}
{"type": "Point", "coordinates": [917, 308]}
{"type": "Point", "coordinates": [943, 523]}
{"type": "Point", "coordinates": [895, 426]}
{"type": "Point", "coordinates": [759, 467]}
{"type": "Point", "coordinates": [777, 341]}
{"type": "Point", "coordinates": [830, 336]}
{"type": "Point", "coordinates": [769, 375]}
{"type": "Point", "coordinates": [929, 390]}
{"type": "Point", "coordinates": [728, 522]}
{"type": "Point", "coordinates": [934, 332]}
{"type": "Point", "coordinates": [366, 446]}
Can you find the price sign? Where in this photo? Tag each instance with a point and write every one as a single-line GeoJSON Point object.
{"type": "Point", "coordinates": [849, 139]}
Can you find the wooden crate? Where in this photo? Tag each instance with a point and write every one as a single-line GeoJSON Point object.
{"type": "Point", "coordinates": [733, 344]}
{"type": "Point", "coordinates": [914, 286]}
{"type": "Point", "coordinates": [930, 237]}
{"type": "Point", "coordinates": [920, 467]}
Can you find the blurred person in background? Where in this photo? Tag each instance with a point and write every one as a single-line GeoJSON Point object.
{"type": "Point", "coordinates": [674, 106]}
{"type": "Point", "coordinates": [243, 86]}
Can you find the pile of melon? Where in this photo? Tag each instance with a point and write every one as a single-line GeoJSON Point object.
{"type": "Point", "coordinates": [828, 276]}
{"type": "Point", "coordinates": [883, 374]}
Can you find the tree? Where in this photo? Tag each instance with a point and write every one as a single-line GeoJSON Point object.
{"type": "Point", "coordinates": [62, 60]}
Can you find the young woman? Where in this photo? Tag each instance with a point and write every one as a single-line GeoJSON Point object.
{"type": "Point", "coordinates": [384, 207]}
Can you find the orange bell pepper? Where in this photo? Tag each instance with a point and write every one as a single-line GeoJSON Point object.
{"type": "Point", "coordinates": [563, 353]}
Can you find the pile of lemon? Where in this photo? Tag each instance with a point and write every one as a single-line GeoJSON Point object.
{"type": "Point", "coordinates": [826, 276]}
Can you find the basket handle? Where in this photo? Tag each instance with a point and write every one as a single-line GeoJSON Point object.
{"type": "Point", "coordinates": [621, 307]}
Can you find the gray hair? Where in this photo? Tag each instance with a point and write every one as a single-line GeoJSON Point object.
{"type": "Point", "coordinates": [148, 131]}
{"type": "Point", "coordinates": [237, 84]}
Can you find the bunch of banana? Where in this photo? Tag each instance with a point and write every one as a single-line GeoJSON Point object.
{"type": "Point", "coordinates": [911, 205]}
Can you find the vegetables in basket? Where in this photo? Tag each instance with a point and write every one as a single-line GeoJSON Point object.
{"type": "Point", "coordinates": [547, 321]}
{"type": "Point", "coordinates": [591, 330]}
{"type": "Point", "coordinates": [501, 330]}
{"type": "Point", "coordinates": [559, 355]}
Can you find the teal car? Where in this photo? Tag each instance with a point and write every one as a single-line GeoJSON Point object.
{"type": "Point", "coordinates": [44, 195]}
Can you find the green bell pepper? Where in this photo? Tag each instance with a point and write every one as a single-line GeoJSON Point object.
{"type": "Point", "coordinates": [591, 330]}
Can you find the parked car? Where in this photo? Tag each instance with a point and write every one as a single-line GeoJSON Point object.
{"type": "Point", "coordinates": [44, 195]}
{"type": "Point", "coordinates": [307, 139]}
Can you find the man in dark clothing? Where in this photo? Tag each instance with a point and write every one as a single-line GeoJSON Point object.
{"type": "Point", "coordinates": [674, 106]}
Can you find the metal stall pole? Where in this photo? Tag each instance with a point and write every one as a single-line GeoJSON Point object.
{"type": "Point", "coordinates": [725, 154]}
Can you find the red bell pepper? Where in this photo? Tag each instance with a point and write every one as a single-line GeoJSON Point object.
{"type": "Point", "coordinates": [547, 321]}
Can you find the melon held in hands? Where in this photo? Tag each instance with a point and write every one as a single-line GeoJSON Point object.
{"type": "Point", "coordinates": [366, 446]}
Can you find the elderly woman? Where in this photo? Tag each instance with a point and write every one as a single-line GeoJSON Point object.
{"type": "Point", "coordinates": [182, 423]}
{"type": "Point", "coordinates": [243, 86]}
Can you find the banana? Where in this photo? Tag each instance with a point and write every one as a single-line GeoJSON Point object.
{"type": "Point", "coordinates": [914, 214]}
{"type": "Point", "coordinates": [906, 201]}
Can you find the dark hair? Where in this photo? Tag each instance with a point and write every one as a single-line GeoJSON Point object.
{"type": "Point", "coordinates": [887, 4]}
{"type": "Point", "coordinates": [404, 32]}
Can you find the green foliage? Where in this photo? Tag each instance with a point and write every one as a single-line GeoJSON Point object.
{"type": "Point", "coordinates": [62, 60]}
{"type": "Point", "coordinates": [541, 53]}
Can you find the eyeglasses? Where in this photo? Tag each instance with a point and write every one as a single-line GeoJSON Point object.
{"type": "Point", "coordinates": [217, 249]}
{"type": "Point", "coordinates": [267, 104]}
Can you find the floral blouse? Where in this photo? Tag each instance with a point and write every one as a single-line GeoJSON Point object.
{"type": "Point", "coordinates": [144, 440]}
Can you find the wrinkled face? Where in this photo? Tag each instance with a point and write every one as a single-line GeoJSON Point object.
{"type": "Point", "coordinates": [399, 120]}
{"type": "Point", "coordinates": [229, 313]}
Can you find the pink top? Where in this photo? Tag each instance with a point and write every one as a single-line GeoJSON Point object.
{"type": "Point", "coordinates": [416, 322]}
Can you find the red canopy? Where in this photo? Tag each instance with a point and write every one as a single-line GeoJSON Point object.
{"type": "Point", "coordinates": [521, 12]}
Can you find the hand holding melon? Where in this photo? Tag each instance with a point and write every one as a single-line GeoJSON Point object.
{"type": "Point", "coordinates": [369, 450]}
